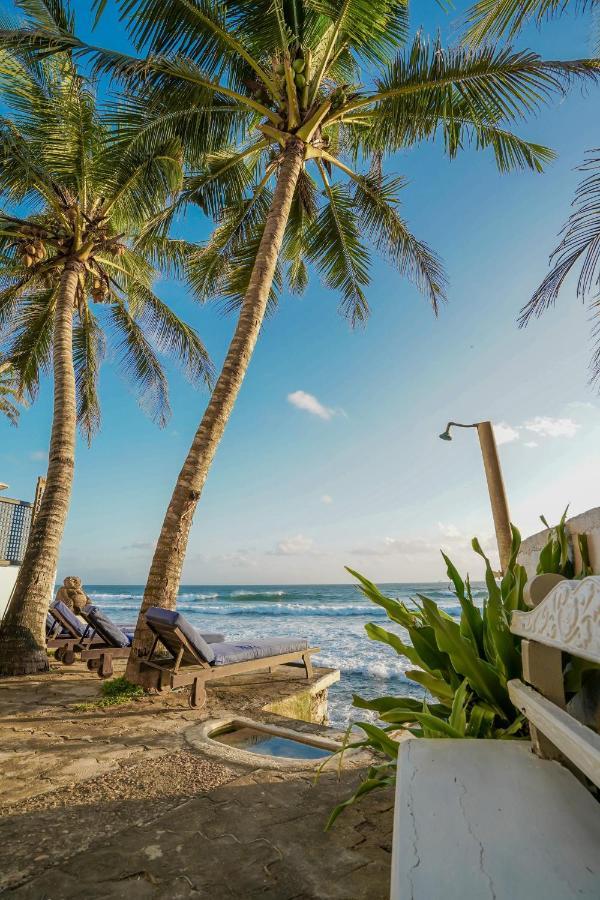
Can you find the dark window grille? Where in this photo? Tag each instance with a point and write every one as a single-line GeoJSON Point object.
{"type": "Point", "coordinates": [15, 524]}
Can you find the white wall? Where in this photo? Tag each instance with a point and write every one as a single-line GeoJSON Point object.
{"type": "Point", "coordinates": [8, 576]}
{"type": "Point", "coordinates": [586, 523]}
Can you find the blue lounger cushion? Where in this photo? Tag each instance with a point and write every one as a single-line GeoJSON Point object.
{"type": "Point", "coordinates": [227, 653]}
{"type": "Point", "coordinates": [157, 618]}
{"type": "Point", "coordinates": [50, 623]}
{"type": "Point", "coordinates": [53, 629]}
{"type": "Point", "coordinates": [69, 616]}
{"type": "Point", "coordinates": [106, 628]}
{"type": "Point", "coordinates": [213, 637]}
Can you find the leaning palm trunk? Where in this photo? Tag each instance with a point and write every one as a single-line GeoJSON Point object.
{"type": "Point", "coordinates": [165, 572]}
{"type": "Point", "coordinates": [22, 633]}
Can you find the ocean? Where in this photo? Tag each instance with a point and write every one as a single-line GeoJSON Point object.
{"type": "Point", "coordinates": [331, 617]}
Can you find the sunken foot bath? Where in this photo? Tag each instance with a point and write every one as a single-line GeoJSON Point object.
{"type": "Point", "coordinates": [260, 744]}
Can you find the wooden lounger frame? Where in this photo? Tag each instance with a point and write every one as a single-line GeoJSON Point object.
{"type": "Point", "coordinates": [65, 646]}
{"type": "Point", "coordinates": [100, 659]}
{"type": "Point", "coordinates": [167, 674]}
{"type": "Point", "coordinates": [97, 653]}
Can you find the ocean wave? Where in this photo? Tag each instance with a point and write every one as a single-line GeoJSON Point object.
{"type": "Point", "coordinates": [294, 610]}
{"type": "Point", "coordinates": [250, 595]}
{"type": "Point", "coordinates": [380, 670]}
{"type": "Point", "coordinates": [199, 606]}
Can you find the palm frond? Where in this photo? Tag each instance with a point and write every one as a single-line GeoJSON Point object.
{"type": "Point", "coordinates": [30, 349]}
{"type": "Point", "coordinates": [376, 200]}
{"type": "Point", "coordinates": [373, 30]}
{"type": "Point", "coordinates": [140, 365]}
{"type": "Point", "coordinates": [198, 29]}
{"type": "Point", "coordinates": [225, 177]}
{"type": "Point", "coordinates": [235, 278]}
{"type": "Point", "coordinates": [580, 244]}
{"type": "Point", "coordinates": [489, 84]}
{"type": "Point", "coordinates": [89, 345]}
{"type": "Point", "coordinates": [51, 14]}
{"type": "Point", "coordinates": [489, 20]}
{"type": "Point", "coordinates": [208, 267]}
{"type": "Point", "coordinates": [170, 334]}
{"type": "Point", "coordinates": [302, 214]}
{"type": "Point", "coordinates": [9, 394]}
{"type": "Point", "coordinates": [338, 252]}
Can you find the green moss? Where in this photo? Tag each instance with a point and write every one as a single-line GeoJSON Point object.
{"type": "Point", "coordinates": [300, 706]}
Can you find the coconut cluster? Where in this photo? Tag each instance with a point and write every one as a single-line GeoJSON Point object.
{"type": "Point", "coordinates": [34, 241]}
{"type": "Point", "coordinates": [31, 248]}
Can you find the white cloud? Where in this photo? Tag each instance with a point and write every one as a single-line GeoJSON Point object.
{"type": "Point", "coordinates": [581, 404]}
{"type": "Point", "coordinates": [38, 455]}
{"type": "Point", "coordinates": [505, 434]}
{"type": "Point", "coordinates": [139, 545]}
{"type": "Point", "coordinates": [454, 543]}
{"type": "Point", "coordinates": [545, 426]}
{"type": "Point", "coordinates": [542, 426]}
{"type": "Point", "coordinates": [326, 499]}
{"type": "Point", "coordinates": [400, 546]}
{"type": "Point", "coordinates": [449, 531]}
{"type": "Point", "coordinates": [241, 559]}
{"type": "Point", "coordinates": [297, 545]}
{"type": "Point", "coordinates": [309, 403]}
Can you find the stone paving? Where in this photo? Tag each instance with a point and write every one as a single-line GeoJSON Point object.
{"type": "Point", "coordinates": [114, 802]}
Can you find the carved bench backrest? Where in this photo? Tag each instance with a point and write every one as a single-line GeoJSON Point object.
{"type": "Point", "coordinates": [565, 619]}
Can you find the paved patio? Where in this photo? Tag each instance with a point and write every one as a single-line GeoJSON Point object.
{"type": "Point", "coordinates": [117, 801]}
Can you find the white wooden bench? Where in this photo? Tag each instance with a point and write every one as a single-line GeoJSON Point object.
{"type": "Point", "coordinates": [481, 818]}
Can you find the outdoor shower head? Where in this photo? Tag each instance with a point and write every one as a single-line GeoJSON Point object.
{"type": "Point", "coordinates": [446, 436]}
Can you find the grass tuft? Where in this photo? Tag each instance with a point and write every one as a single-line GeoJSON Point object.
{"type": "Point", "coordinates": [115, 692]}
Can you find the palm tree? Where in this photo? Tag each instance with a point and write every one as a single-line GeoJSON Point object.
{"type": "Point", "coordinates": [310, 96]}
{"type": "Point", "coordinates": [580, 237]}
{"type": "Point", "coordinates": [9, 393]}
{"type": "Point", "coordinates": [76, 269]}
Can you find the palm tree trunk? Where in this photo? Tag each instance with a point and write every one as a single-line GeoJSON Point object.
{"type": "Point", "coordinates": [22, 632]}
{"type": "Point", "coordinates": [165, 572]}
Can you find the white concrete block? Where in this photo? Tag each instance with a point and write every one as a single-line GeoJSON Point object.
{"type": "Point", "coordinates": [477, 819]}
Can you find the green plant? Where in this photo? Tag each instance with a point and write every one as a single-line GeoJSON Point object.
{"type": "Point", "coordinates": [115, 692]}
{"type": "Point", "coordinates": [464, 665]}
{"type": "Point", "coordinates": [555, 556]}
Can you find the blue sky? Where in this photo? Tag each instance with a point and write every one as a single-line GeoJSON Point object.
{"type": "Point", "coordinates": [362, 480]}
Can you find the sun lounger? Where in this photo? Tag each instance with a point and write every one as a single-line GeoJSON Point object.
{"type": "Point", "coordinates": [64, 632]}
{"type": "Point", "coordinates": [192, 660]}
{"type": "Point", "coordinates": [115, 641]}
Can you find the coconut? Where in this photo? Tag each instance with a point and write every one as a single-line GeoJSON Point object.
{"type": "Point", "coordinates": [300, 80]}
{"type": "Point", "coordinates": [298, 65]}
